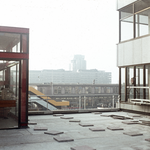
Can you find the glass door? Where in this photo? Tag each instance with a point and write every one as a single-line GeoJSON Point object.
{"type": "Point", "coordinates": [9, 94]}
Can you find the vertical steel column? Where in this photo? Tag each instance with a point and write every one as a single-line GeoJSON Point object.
{"type": "Point", "coordinates": [125, 84]}
{"type": "Point", "coordinates": [113, 101]}
{"type": "Point", "coordinates": [79, 102]}
{"type": "Point", "coordinates": [84, 102]}
{"type": "Point", "coordinates": [119, 81]}
{"type": "Point", "coordinates": [144, 82]}
{"type": "Point", "coordinates": [134, 71]}
{"type": "Point", "coordinates": [119, 26]}
{"type": "Point", "coordinates": [118, 101]}
{"type": "Point", "coordinates": [134, 25]}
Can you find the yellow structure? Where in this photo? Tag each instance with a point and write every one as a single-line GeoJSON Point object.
{"type": "Point", "coordinates": [46, 98]}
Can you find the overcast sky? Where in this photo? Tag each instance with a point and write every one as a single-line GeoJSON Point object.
{"type": "Point", "coordinates": [60, 29]}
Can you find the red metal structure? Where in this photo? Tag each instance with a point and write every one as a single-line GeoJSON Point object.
{"type": "Point", "coordinates": [14, 61]}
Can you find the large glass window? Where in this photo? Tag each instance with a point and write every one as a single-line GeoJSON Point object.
{"type": "Point", "coordinates": [135, 83]}
{"type": "Point", "coordinates": [9, 93]}
{"type": "Point", "coordinates": [139, 82]}
{"type": "Point", "coordinates": [135, 23]}
{"type": "Point", "coordinates": [147, 78]}
{"type": "Point", "coordinates": [122, 84]}
{"type": "Point", "coordinates": [142, 23]}
{"type": "Point", "coordinates": [9, 42]}
{"type": "Point", "coordinates": [127, 28]}
{"type": "Point", "coordinates": [130, 82]}
{"type": "Point", "coordinates": [126, 23]}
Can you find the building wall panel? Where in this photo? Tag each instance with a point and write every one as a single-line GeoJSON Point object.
{"type": "Point", "coordinates": [134, 52]}
{"type": "Point", "coordinates": [146, 49]}
{"type": "Point", "coordinates": [137, 51]}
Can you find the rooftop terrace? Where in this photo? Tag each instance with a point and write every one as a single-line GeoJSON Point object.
{"type": "Point", "coordinates": [29, 139]}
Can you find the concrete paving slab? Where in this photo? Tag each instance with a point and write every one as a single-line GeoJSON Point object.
{"type": "Point", "coordinates": [74, 120]}
{"type": "Point", "coordinates": [115, 128]}
{"type": "Point", "coordinates": [63, 139]}
{"type": "Point", "coordinates": [133, 133]}
{"type": "Point", "coordinates": [97, 129]}
{"type": "Point", "coordinates": [66, 117]}
{"type": "Point", "coordinates": [96, 113]}
{"type": "Point", "coordinates": [32, 123]}
{"type": "Point", "coordinates": [121, 117]}
{"type": "Point", "coordinates": [53, 132]}
{"type": "Point", "coordinates": [131, 122]}
{"type": "Point", "coordinates": [85, 124]}
{"type": "Point", "coordinates": [40, 128]}
{"type": "Point", "coordinates": [147, 140]}
{"type": "Point", "coordinates": [84, 147]}
{"type": "Point", "coordinates": [145, 122]}
{"type": "Point", "coordinates": [136, 115]}
{"type": "Point", "coordinates": [57, 115]}
{"type": "Point", "coordinates": [105, 115]}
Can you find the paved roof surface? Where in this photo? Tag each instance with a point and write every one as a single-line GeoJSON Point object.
{"type": "Point", "coordinates": [28, 139]}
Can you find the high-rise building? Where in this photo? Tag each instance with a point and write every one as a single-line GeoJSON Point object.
{"type": "Point", "coordinates": [133, 54]}
{"type": "Point", "coordinates": [78, 63]}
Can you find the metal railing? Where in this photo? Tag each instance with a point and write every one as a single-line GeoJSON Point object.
{"type": "Point", "coordinates": [36, 103]}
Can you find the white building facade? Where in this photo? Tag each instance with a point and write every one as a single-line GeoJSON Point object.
{"type": "Point", "coordinates": [133, 54]}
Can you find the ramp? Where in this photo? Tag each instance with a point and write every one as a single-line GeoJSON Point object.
{"type": "Point", "coordinates": [48, 99]}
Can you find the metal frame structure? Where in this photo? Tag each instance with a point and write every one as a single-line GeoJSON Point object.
{"type": "Point", "coordinates": [23, 58]}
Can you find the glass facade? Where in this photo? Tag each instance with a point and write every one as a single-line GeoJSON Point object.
{"type": "Point", "coordinates": [14, 54]}
{"type": "Point", "coordinates": [135, 82]}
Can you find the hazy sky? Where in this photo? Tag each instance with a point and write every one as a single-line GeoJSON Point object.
{"type": "Point", "coordinates": [59, 29]}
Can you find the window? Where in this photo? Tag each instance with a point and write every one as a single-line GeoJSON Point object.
{"type": "Point", "coordinates": [122, 84]}
{"type": "Point", "coordinates": [142, 23]}
{"type": "Point", "coordinates": [139, 82]}
{"type": "Point", "coordinates": [9, 42]}
{"type": "Point", "coordinates": [135, 23]}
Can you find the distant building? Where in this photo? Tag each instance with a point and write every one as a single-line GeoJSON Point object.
{"type": "Point", "coordinates": [61, 76]}
{"type": "Point", "coordinates": [78, 63]}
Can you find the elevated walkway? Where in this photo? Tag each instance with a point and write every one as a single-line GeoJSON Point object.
{"type": "Point", "coordinates": [47, 99]}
